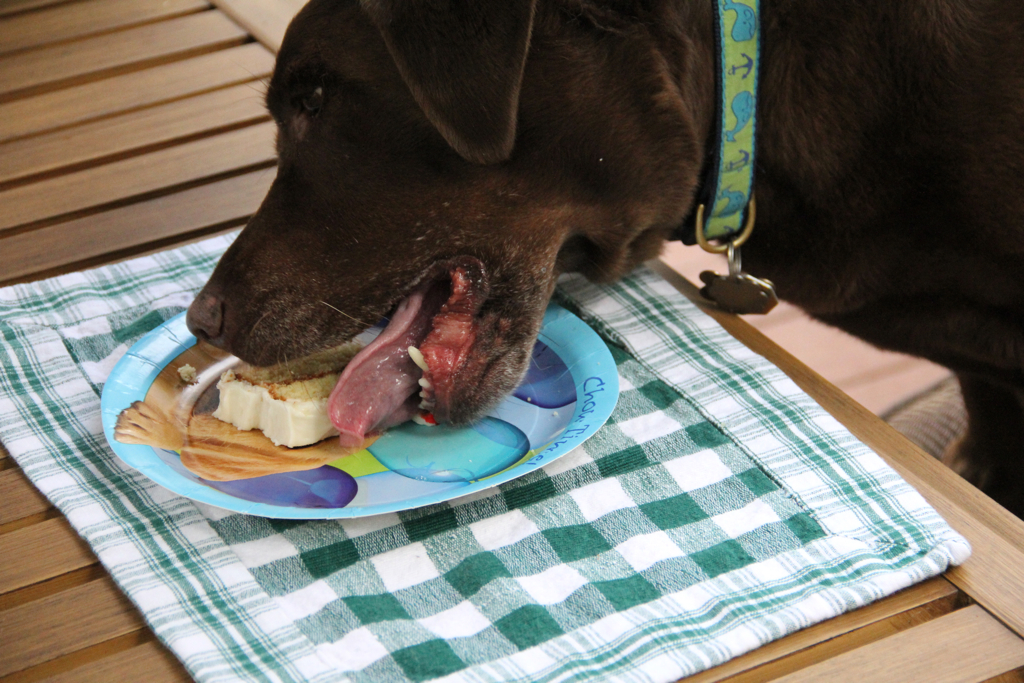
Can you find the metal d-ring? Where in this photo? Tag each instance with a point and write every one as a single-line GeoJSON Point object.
{"type": "Point", "coordinates": [748, 228]}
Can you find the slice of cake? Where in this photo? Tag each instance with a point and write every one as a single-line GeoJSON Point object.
{"type": "Point", "coordinates": [287, 402]}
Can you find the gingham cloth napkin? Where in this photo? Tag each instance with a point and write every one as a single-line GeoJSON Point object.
{"type": "Point", "coordinates": [720, 508]}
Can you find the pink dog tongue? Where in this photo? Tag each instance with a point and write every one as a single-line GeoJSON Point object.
{"type": "Point", "coordinates": [379, 386]}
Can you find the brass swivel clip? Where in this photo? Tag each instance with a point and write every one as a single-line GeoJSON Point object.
{"type": "Point", "coordinates": [736, 292]}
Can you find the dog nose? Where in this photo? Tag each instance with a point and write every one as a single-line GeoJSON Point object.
{"type": "Point", "coordinates": [205, 318]}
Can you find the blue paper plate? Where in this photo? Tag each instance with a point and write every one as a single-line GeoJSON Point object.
{"type": "Point", "coordinates": [568, 393]}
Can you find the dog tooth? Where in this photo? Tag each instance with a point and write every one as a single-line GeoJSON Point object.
{"type": "Point", "coordinates": [425, 383]}
{"type": "Point", "coordinates": [418, 359]}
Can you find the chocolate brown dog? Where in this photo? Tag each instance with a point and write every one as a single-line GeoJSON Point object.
{"type": "Point", "coordinates": [443, 161]}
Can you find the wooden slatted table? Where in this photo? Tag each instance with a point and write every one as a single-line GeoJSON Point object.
{"type": "Point", "coordinates": [128, 126]}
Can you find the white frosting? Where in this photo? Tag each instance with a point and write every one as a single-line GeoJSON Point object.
{"type": "Point", "coordinates": [290, 422]}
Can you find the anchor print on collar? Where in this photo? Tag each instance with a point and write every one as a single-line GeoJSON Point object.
{"type": "Point", "coordinates": [746, 67]}
{"type": "Point", "coordinates": [738, 163]}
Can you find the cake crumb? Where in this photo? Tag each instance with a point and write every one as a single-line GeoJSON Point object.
{"type": "Point", "coordinates": [187, 374]}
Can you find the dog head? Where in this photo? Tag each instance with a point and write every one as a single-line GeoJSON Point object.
{"type": "Point", "coordinates": [441, 162]}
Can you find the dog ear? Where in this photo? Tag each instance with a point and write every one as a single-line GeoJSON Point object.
{"type": "Point", "coordinates": [463, 61]}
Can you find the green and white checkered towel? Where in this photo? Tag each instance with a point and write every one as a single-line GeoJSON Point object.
{"type": "Point", "coordinates": [720, 508]}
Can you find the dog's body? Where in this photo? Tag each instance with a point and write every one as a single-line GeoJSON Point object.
{"type": "Point", "coordinates": [465, 153]}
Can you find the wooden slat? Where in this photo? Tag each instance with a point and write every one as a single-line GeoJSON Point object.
{"type": "Point", "coordinates": [133, 91]}
{"type": "Point", "coordinates": [64, 623]}
{"type": "Point", "coordinates": [146, 663]}
{"type": "Point", "coordinates": [116, 136]}
{"type": "Point", "coordinates": [40, 552]}
{"type": "Point", "coordinates": [221, 204]}
{"type": "Point", "coordinates": [37, 518]}
{"type": "Point", "coordinates": [58, 584]}
{"type": "Point", "coordinates": [52, 66]}
{"type": "Point", "coordinates": [967, 646]}
{"type": "Point", "coordinates": [266, 21]}
{"type": "Point", "coordinates": [58, 24]}
{"type": "Point", "coordinates": [18, 497]}
{"type": "Point", "coordinates": [903, 610]}
{"type": "Point", "coordinates": [65, 667]}
{"type": "Point", "coordinates": [992, 575]}
{"type": "Point", "coordinates": [8, 7]}
{"type": "Point", "coordinates": [94, 187]}
{"type": "Point", "coordinates": [829, 648]}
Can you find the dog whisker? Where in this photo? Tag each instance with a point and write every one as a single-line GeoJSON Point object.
{"type": "Point", "coordinates": [262, 80]}
{"type": "Point", "coordinates": [333, 308]}
{"type": "Point", "coordinates": [257, 324]}
{"type": "Point", "coordinates": [259, 88]}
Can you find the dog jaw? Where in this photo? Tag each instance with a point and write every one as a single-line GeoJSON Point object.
{"type": "Point", "coordinates": [464, 358]}
{"type": "Point", "coordinates": [447, 346]}
{"type": "Point", "coordinates": [470, 364]}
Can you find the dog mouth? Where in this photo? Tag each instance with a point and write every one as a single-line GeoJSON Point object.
{"type": "Point", "coordinates": [413, 365]}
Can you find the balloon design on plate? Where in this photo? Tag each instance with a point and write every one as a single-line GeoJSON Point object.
{"type": "Point", "coordinates": [451, 454]}
{"type": "Point", "coordinates": [548, 382]}
{"type": "Point", "coordinates": [324, 487]}
{"type": "Point", "coordinates": [521, 422]}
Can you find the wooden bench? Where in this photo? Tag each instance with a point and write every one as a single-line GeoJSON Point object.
{"type": "Point", "coordinates": [128, 126]}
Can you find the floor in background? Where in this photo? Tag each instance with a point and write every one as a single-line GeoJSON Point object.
{"type": "Point", "coordinates": [876, 379]}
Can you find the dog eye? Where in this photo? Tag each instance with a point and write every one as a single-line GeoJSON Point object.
{"type": "Point", "coordinates": [313, 102]}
